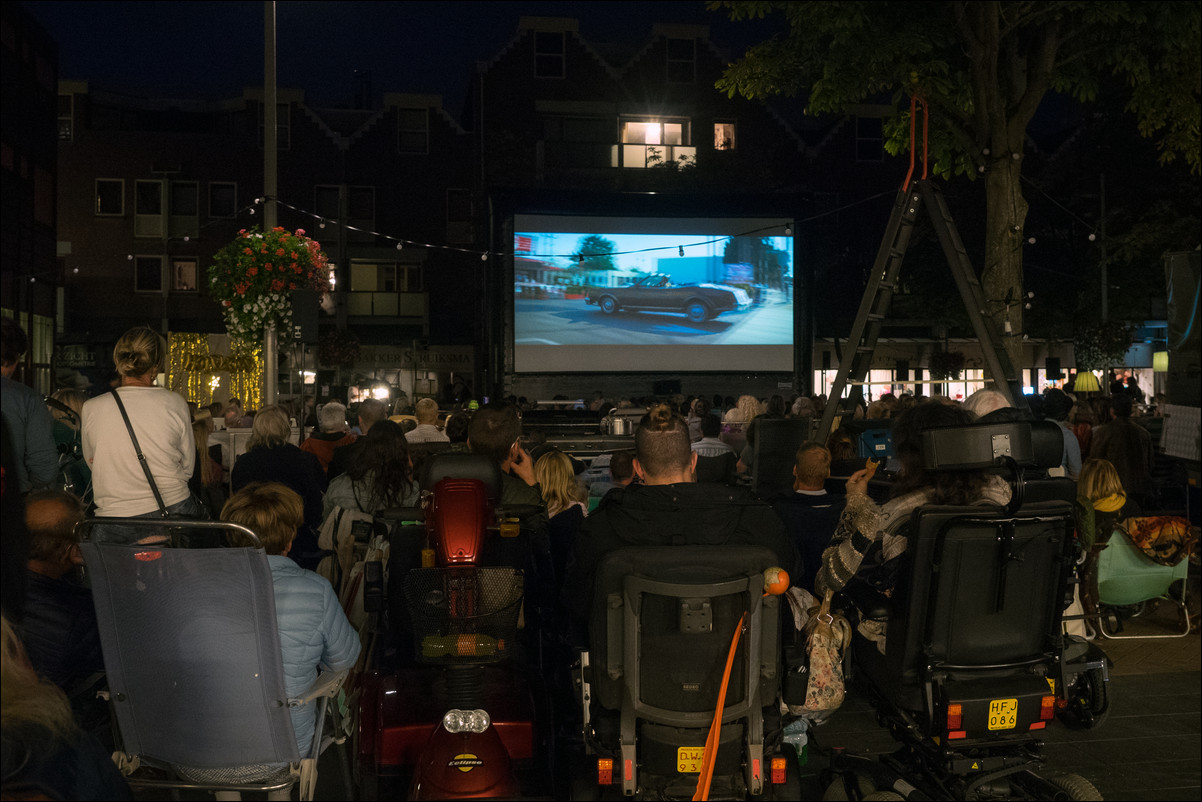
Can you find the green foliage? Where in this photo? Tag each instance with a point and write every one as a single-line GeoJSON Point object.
{"type": "Point", "coordinates": [596, 252]}
{"type": "Point", "coordinates": [982, 67]}
{"type": "Point", "coordinates": [1101, 344]}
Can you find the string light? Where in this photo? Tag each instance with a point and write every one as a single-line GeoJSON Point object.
{"type": "Point", "coordinates": [682, 250]}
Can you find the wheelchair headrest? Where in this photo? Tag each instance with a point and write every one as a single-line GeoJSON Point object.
{"type": "Point", "coordinates": [976, 446]}
{"type": "Point", "coordinates": [1032, 444]}
{"type": "Point", "coordinates": [459, 465]}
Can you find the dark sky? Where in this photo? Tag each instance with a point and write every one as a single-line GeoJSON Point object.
{"type": "Point", "coordinates": [217, 47]}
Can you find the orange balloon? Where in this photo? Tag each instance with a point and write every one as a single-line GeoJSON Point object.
{"type": "Point", "coordinates": [776, 580]}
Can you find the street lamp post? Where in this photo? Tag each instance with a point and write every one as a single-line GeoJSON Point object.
{"type": "Point", "coordinates": [270, 153]}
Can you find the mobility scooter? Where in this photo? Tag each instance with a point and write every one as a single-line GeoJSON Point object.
{"type": "Point", "coordinates": [975, 665]}
{"type": "Point", "coordinates": [462, 713]}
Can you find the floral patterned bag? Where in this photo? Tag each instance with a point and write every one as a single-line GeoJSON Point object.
{"type": "Point", "coordinates": [829, 635]}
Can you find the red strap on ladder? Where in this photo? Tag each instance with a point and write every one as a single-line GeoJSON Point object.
{"type": "Point", "coordinates": [711, 741]}
{"type": "Point", "coordinates": [915, 102]}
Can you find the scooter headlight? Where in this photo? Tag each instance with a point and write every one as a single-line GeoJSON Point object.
{"type": "Point", "coordinates": [466, 721]}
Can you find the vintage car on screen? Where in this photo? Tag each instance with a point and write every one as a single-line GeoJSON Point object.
{"type": "Point", "coordinates": [657, 293]}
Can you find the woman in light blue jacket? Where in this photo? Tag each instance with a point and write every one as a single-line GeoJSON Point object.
{"type": "Point", "coordinates": [314, 631]}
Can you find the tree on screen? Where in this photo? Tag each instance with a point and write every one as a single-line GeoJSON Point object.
{"type": "Point", "coordinates": [596, 253]}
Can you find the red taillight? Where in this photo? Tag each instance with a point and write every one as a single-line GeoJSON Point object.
{"type": "Point", "coordinates": [1047, 708]}
{"type": "Point", "coordinates": [755, 768]}
{"type": "Point", "coordinates": [628, 767]}
{"type": "Point", "coordinates": [955, 718]}
{"type": "Point", "coordinates": [779, 767]}
{"type": "Point", "coordinates": [605, 771]}
{"type": "Point", "coordinates": [1038, 725]}
{"type": "Point", "coordinates": [951, 736]}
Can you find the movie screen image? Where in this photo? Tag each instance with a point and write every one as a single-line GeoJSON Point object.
{"type": "Point", "coordinates": [652, 294]}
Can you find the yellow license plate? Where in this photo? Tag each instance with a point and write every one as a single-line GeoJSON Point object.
{"type": "Point", "coordinates": [1003, 714]}
{"type": "Point", "coordinates": [688, 759]}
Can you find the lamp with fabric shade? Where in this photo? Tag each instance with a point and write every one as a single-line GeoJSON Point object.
{"type": "Point", "coordinates": [1086, 382]}
{"type": "Point", "coordinates": [1160, 362]}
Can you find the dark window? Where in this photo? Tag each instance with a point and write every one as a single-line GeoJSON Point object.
{"type": "Point", "coordinates": [110, 197]}
{"type": "Point", "coordinates": [148, 273]}
{"type": "Point", "coordinates": [223, 199]}
{"type": "Point", "coordinates": [681, 61]}
{"type": "Point", "coordinates": [549, 54]}
{"type": "Point", "coordinates": [184, 198]}
{"type": "Point", "coordinates": [325, 202]}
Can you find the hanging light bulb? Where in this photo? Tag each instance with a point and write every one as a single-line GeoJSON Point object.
{"type": "Point", "coordinates": [681, 249]}
{"type": "Point", "coordinates": [788, 231]}
{"type": "Point", "coordinates": [484, 257]}
{"type": "Point", "coordinates": [400, 245]}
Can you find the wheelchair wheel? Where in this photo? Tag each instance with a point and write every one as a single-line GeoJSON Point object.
{"type": "Point", "coordinates": [837, 791]}
{"type": "Point", "coordinates": [1074, 786]}
{"type": "Point", "coordinates": [1088, 702]}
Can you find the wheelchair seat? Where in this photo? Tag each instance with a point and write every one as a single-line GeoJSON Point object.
{"type": "Point", "coordinates": [661, 627]}
{"type": "Point", "coordinates": [193, 662]}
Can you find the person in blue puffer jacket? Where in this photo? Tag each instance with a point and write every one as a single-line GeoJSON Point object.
{"type": "Point", "coordinates": [314, 631]}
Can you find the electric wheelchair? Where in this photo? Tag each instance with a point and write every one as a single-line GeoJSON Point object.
{"type": "Point", "coordinates": [975, 665]}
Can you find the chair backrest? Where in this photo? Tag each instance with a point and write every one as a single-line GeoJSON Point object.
{"type": "Point", "coordinates": [722, 469]}
{"type": "Point", "coordinates": [192, 653]}
{"type": "Point", "coordinates": [774, 453]}
{"type": "Point", "coordinates": [661, 628]}
{"type": "Point", "coordinates": [980, 586]}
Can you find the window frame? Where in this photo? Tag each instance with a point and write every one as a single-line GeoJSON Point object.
{"type": "Point", "coordinates": [96, 194]}
{"type": "Point", "coordinates": [734, 138]}
{"type": "Point", "coordinates": [546, 57]}
{"type": "Point", "coordinates": [137, 260]}
{"type": "Point", "coordinates": [669, 61]}
{"type": "Point", "coordinates": [234, 201]}
{"type": "Point", "coordinates": [424, 132]}
{"type": "Point", "coordinates": [69, 117]}
{"type": "Point", "coordinates": [176, 262]}
{"type": "Point", "coordinates": [144, 217]}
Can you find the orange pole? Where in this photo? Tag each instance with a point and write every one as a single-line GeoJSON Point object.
{"type": "Point", "coordinates": [910, 173]}
{"type": "Point", "coordinates": [925, 122]}
{"type": "Point", "coordinates": [711, 741]}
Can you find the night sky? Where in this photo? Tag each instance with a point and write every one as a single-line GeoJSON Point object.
{"type": "Point", "coordinates": [423, 47]}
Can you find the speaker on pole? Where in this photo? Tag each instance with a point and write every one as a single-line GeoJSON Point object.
{"type": "Point", "coordinates": [305, 306]}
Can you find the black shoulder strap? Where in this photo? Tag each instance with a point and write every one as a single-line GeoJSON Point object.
{"type": "Point", "coordinates": [141, 457]}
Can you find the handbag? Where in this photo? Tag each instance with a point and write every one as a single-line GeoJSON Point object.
{"type": "Point", "coordinates": [828, 636]}
{"type": "Point", "coordinates": [141, 457]}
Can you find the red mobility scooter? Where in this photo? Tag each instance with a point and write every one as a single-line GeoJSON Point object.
{"type": "Point", "coordinates": [463, 713]}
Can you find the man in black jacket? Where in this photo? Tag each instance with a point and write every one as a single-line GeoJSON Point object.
{"type": "Point", "coordinates": [669, 508]}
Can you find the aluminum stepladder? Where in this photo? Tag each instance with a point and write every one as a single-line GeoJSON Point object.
{"type": "Point", "coordinates": [856, 358]}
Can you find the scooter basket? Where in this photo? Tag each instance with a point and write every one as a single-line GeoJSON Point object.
{"type": "Point", "coordinates": [464, 614]}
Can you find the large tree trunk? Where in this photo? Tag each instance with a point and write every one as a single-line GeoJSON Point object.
{"type": "Point", "coordinates": [1002, 273]}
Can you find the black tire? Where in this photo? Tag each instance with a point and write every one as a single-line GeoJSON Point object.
{"type": "Point", "coordinates": [608, 304]}
{"type": "Point", "coordinates": [1088, 701]}
{"type": "Point", "coordinates": [698, 311]}
{"type": "Point", "coordinates": [837, 790]}
{"type": "Point", "coordinates": [1074, 786]}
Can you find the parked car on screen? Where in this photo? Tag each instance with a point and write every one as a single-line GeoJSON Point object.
{"type": "Point", "coordinates": [657, 293]}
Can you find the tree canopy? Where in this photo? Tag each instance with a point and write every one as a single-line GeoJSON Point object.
{"type": "Point", "coordinates": [983, 69]}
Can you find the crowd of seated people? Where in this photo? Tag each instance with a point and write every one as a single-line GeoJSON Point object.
{"type": "Point", "coordinates": [667, 487]}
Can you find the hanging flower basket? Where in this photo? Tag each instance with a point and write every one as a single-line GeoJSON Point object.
{"type": "Point", "coordinates": [254, 275]}
{"type": "Point", "coordinates": [338, 349]}
{"type": "Point", "coordinates": [946, 364]}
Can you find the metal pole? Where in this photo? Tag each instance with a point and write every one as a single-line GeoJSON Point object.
{"type": "Point", "coordinates": [270, 169]}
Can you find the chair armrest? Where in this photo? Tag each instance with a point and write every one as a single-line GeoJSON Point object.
{"type": "Point", "coordinates": [327, 684]}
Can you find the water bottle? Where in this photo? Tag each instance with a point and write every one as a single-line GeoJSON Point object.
{"type": "Point", "coordinates": [461, 646]}
{"type": "Point", "coordinates": [795, 734]}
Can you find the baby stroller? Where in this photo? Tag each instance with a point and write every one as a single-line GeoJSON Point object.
{"type": "Point", "coordinates": [975, 666]}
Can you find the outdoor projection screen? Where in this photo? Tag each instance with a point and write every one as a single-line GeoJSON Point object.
{"type": "Point", "coordinates": [714, 294]}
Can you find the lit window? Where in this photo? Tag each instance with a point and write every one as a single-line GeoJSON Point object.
{"type": "Point", "coordinates": [724, 135]}
{"type": "Point", "coordinates": [183, 275]}
{"type": "Point", "coordinates": [647, 143]}
{"type": "Point", "coordinates": [549, 54]}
